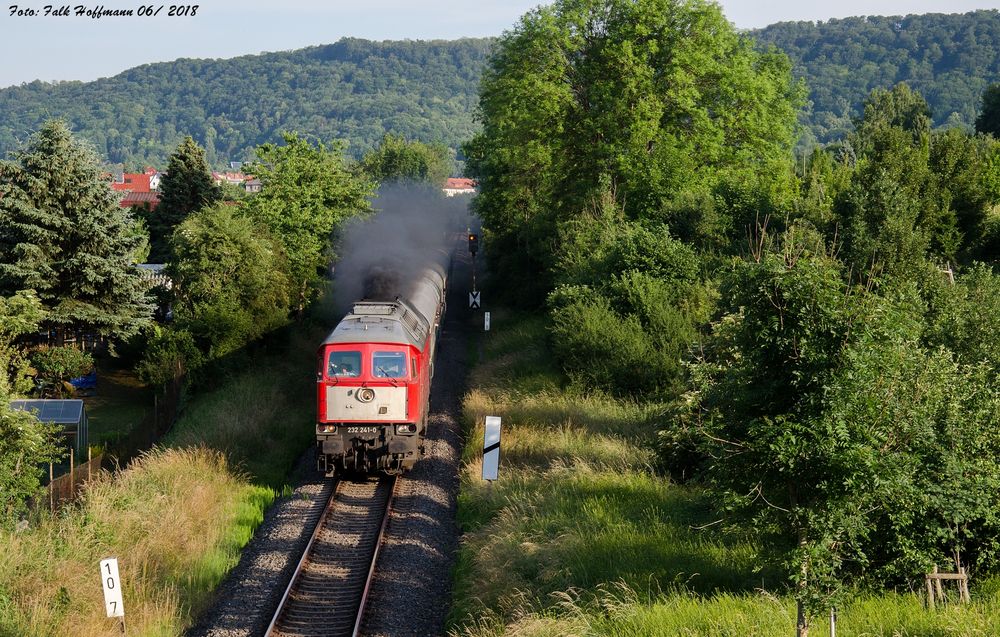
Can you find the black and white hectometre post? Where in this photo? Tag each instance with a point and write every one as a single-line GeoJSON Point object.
{"type": "Point", "coordinates": [491, 449]}
{"type": "Point", "coordinates": [112, 589]}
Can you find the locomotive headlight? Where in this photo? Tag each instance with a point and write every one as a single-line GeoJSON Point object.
{"type": "Point", "coordinates": [326, 428]}
{"type": "Point", "coordinates": [408, 428]}
{"type": "Point", "coordinates": [366, 394]}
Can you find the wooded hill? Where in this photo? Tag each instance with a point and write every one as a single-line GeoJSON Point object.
{"type": "Point", "coordinates": [949, 59]}
{"type": "Point", "coordinates": [357, 90]}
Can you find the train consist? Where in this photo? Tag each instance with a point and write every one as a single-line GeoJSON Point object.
{"type": "Point", "coordinates": [375, 368]}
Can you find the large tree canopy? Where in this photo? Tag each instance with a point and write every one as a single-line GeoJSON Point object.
{"type": "Point", "coordinates": [659, 101]}
{"type": "Point", "coordinates": [396, 159]}
{"type": "Point", "coordinates": [231, 279]}
{"type": "Point", "coordinates": [63, 234]}
{"type": "Point", "coordinates": [307, 192]}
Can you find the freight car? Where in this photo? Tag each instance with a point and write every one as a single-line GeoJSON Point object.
{"type": "Point", "coordinates": [374, 377]}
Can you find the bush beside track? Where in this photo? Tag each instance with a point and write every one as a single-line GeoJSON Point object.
{"type": "Point", "coordinates": [580, 536]}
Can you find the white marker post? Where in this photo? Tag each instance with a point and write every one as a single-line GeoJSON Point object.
{"type": "Point", "coordinates": [486, 324]}
{"type": "Point", "coordinates": [112, 589]}
{"type": "Point", "coordinates": [491, 449]}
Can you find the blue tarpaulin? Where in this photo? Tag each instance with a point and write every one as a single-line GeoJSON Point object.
{"type": "Point", "coordinates": [88, 381]}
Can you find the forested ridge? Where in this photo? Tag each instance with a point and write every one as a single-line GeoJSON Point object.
{"type": "Point", "coordinates": [949, 58]}
{"type": "Point", "coordinates": [355, 90]}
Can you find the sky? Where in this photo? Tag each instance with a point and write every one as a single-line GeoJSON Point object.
{"type": "Point", "coordinates": [78, 47]}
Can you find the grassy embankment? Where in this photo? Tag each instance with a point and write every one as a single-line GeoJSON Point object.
{"type": "Point", "coordinates": [176, 520]}
{"type": "Point", "coordinates": [579, 537]}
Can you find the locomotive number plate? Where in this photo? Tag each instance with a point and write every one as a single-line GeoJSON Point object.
{"type": "Point", "coordinates": [362, 430]}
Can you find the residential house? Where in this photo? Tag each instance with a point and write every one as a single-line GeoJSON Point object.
{"type": "Point", "coordinates": [459, 186]}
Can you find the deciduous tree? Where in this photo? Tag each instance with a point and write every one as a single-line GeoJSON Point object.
{"type": "Point", "coordinates": [396, 159]}
{"type": "Point", "coordinates": [307, 193]}
{"type": "Point", "coordinates": [231, 278]}
{"type": "Point", "coordinates": [661, 101]}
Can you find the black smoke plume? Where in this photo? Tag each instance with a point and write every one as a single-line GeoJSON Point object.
{"type": "Point", "coordinates": [414, 226]}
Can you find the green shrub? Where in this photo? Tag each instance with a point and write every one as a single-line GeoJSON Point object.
{"type": "Point", "coordinates": [170, 354]}
{"type": "Point", "coordinates": [56, 365]}
{"type": "Point", "coordinates": [629, 304]}
{"type": "Point", "coordinates": [25, 445]}
{"type": "Point", "coordinates": [601, 348]}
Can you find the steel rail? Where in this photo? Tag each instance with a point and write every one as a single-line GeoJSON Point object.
{"type": "Point", "coordinates": [319, 596]}
{"type": "Point", "coordinates": [302, 560]}
{"type": "Point", "coordinates": [378, 549]}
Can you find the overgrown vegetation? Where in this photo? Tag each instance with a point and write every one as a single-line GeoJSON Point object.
{"type": "Point", "coordinates": [221, 466]}
{"type": "Point", "coordinates": [803, 324]}
{"type": "Point", "coordinates": [239, 272]}
{"type": "Point", "coordinates": [580, 537]}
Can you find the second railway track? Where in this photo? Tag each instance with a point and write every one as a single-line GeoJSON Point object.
{"type": "Point", "coordinates": [326, 595]}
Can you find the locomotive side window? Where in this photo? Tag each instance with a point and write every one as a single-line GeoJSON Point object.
{"type": "Point", "coordinates": [344, 364]}
{"type": "Point", "coordinates": [389, 364]}
{"type": "Point", "coordinates": [414, 365]}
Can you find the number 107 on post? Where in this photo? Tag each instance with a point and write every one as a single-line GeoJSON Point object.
{"type": "Point", "coordinates": [112, 587]}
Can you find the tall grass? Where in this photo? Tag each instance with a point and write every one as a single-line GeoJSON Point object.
{"type": "Point", "coordinates": [579, 536]}
{"type": "Point", "coordinates": [176, 519]}
{"type": "Point", "coordinates": [261, 417]}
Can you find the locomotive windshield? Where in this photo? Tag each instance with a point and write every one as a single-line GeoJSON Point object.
{"type": "Point", "coordinates": [344, 364]}
{"type": "Point", "coordinates": [389, 364]}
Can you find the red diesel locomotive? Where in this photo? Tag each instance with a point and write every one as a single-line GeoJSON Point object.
{"type": "Point", "coordinates": [374, 379]}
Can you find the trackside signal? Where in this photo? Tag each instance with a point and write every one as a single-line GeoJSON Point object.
{"type": "Point", "coordinates": [473, 243]}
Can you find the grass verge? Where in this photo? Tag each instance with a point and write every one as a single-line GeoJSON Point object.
{"type": "Point", "coordinates": [580, 537]}
{"type": "Point", "coordinates": [176, 519]}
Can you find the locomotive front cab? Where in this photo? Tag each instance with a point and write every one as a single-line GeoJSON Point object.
{"type": "Point", "coordinates": [370, 414]}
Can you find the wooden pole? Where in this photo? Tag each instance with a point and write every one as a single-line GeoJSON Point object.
{"type": "Point", "coordinates": [938, 590]}
{"type": "Point", "coordinates": [930, 592]}
{"type": "Point", "coordinates": [801, 622]}
{"type": "Point", "coordinates": [52, 505]}
{"type": "Point", "coordinates": [72, 475]}
{"type": "Point", "coordinates": [833, 621]}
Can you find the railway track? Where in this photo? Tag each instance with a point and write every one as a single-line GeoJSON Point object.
{"type": "Point", "coordinates": [327, 593]}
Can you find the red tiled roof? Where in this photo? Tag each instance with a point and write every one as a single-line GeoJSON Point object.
{"type": "Point", "coordinates": [138, 198]}
{"type": "Point", "coordinates": [459, 183]}
{"type": "Point", "coordinates": [134, 182]}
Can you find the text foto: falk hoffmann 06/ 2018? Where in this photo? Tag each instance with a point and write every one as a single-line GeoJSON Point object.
{"type": "Point", "coordinates": [101, 11]}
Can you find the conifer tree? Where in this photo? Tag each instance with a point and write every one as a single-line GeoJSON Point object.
{"type": "Point", "coordinates": [989, 113]}
{"type": "Point", "coordinates": [186, 188]}
{"type": "Point", "coordinates": [63, 235]}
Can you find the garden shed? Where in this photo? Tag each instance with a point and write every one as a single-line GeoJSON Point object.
{"type": "Point", "coordinates": [70, 414]}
